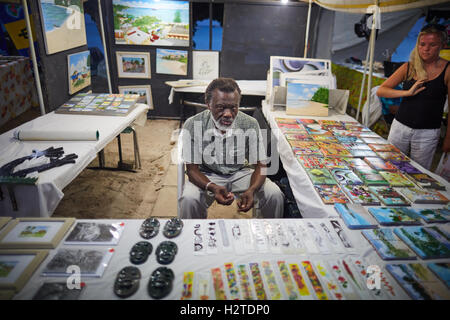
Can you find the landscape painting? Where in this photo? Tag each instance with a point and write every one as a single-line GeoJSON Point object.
{"type": "Point", "coordinates": [79, 68]}
{"type": "Point", "coordinates": [144, 92]}
{"type": "Point", "coordinates": [171, 61]}
{"type": "Point", "coordinates": [63, 24]}
{"type": "Point", "coordinates": [151, 22]}
{"type": "Point", "coordinates": [133, 64]}
{"type": "Point", "coordinates": [306, 99]}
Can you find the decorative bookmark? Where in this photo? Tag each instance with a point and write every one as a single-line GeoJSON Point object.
{"type": "Point", "coordinates": [288, 284]}
{"type": "Point", "coordinates": [346, 287]}
{"type": "Point", "coordinates": [300, 281]}
{"type": "Point", "coordinates": [226, 244]}
{"type": "Point", "coordinates": [258, 282]}
{"type": "Point", "coordinates": [332, 240]}
{"type": "Point", "coordinates": [361, 266]}
{"type": "Point", "coordinates": [249, 243]}
{"type": "Point", "coordinates": [219, 288]}
{"type": "Point", "coordinates": [297, 246]}
{"type": "Point", "coordinates": [274, 291]}
{"type": "Point", "coordinates": [237, 237]}
{"type": "Point", "coordinates": [211, 238]}
{"type": "Point", "coordinates": [362, 287]}
{"type": "Point", "coordinates": [188, 280]}
{"type": "Point", "coordinates": [318, 239]}
{"type": "Point", "coordinates": [245, 282]}
{"type": "Point", "coordinates": [204, 279]}
{"type": "Point", "coordinates": [283, 238]}
{"type": "Point", "coordinates": [260, 237]}
{"type": "Point", "coordinates": [232, 281]}
{"type": "Point", "coordinates": [317, 286]}
{"type": "Point", "coordinates": [307, 240]}
{"type": "Point", "coordinates": [329, 282]}
{"type": "Point", "coordinates": [199, 245]}
{"type": "Point", "coordinates": [272, 238]}
{"type": "Point", "coordinates": [341, 234]}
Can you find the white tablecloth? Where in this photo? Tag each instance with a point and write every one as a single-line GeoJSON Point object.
{"type": "Point", "coordinates": [42, 199]}
{"type": "Point", "coordinates": [308, 201]}
{"type": "Point", "coordinates": [186, 261]}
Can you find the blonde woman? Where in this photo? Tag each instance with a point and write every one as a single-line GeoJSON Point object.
{"type": "Point", "coordinates": [426, 82]}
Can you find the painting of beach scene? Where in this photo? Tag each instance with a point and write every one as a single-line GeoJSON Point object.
{"type": "Point", "coordinates": [63, 24]}
{"type": "Point", "coordinates": [133, 64]}
{"type": "Point", "coordinates": [79, 68]}
{"type": "Point", "coordinates": [151, 22]}
{"type": "Point", "coordinates": [306, 99]}
{"type": "Point", "coordinates": [171, 61]}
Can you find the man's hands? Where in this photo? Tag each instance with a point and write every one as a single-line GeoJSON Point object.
{"type": "Point", "coordinates": [226, 198]}
{"type": "Point", "coordinates": [245, 202]}
{"type": "Point", "coordinates": [222, 195]}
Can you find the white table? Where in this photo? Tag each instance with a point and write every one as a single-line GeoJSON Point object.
{"type": "Point", "coordinates": [186, 261]}
{"type": "Point", "coordinates": [308, 201]}
{"type": "Point", "coordinates": [42, 198]}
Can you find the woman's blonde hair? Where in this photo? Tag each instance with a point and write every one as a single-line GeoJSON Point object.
{"type": "Point", "coordinates": [416, 69]}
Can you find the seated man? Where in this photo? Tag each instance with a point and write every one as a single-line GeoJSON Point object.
{"type": "Point", "coordinates": [218, 146]}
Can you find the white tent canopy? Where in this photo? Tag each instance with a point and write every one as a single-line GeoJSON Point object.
{"type": "Point", "coordinates": [360, 6]}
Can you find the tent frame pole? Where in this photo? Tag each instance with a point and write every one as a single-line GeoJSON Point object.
{"type": "Point", "coordinates": [363, 82]}
{"type": "Point", "coordinates": [308, 22]}
{"type": "Point", "coordinates": [105, 50]}
{"type": "Point", "coordinates": [33, 57]}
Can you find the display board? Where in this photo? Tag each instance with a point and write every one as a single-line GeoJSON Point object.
{"type": "Point", "coordinates": [102, 104]}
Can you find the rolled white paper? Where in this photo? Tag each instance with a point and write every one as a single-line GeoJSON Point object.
{"type": "Point", "coordinates": [58, 135]}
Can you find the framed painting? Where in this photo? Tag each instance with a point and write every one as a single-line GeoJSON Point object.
{"type": "Point", "coordinates": [282, 68]}
{"type": "Point", "coordinates": [205, 65]}
{"type": "Point", "coordinates": [79, 70]}
{"type": "Point", "coordinates": [144, 92]}
{"type": "Point", "coordinates": [17, 266]}
{"type": "Point", "coordinates": [35, 233]}
{"type": "Point", "coordinates": [4, 221]}
{"type": "Point", "coordinates": [151, 22]}
{"type": "Point", "coordinates": [63, 24]}
{"type": "Point", "coordinates": [171, 61]}
{"type": "Point", "coordinates": [133, 64]}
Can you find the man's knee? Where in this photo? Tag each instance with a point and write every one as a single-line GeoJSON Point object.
{"type": "Point", "coordinates": [272, 193]}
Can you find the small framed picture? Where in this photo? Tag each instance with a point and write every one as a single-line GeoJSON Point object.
{"type": "Point", "coordinates": [79, 70]}
{"type": "Point", "coordinates": [91, 261]}
{"type": "Point", "coordinates": [133, 64]}
{"type": "Point", "coordinates": [144, 92]}
{"type": "Point", "coordinates": [4, 221]}
{"type": "Point", "coordinates": [17, 266]}
{"type": "Point", "coordinates": [205, 65]}
{"type": "Point", "coordinates": [170, 61]}
{"type": "Point", "coordinates": [35, 233]}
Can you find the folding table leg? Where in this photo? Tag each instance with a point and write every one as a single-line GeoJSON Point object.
{"type": "Point", "coordinates": [12, 197]}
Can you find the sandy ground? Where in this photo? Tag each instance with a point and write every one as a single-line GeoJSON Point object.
{"type": "Point", "coordinates": [97, 194]}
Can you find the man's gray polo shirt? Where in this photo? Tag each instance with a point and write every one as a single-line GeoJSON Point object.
{"type": "Point", "coordinates": [239, 147]}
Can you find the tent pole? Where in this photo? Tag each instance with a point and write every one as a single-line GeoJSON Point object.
{"type": "Point", "coordinates": [33, 57]}
{"type": "Point", "coordinates": [363, 82]}
{"type": "Point", "coordinates": [372, 53]}
{"type": "Point", "coordinates": [105, 50]}
{"type": "Point", "coordinates": [308, 21]}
